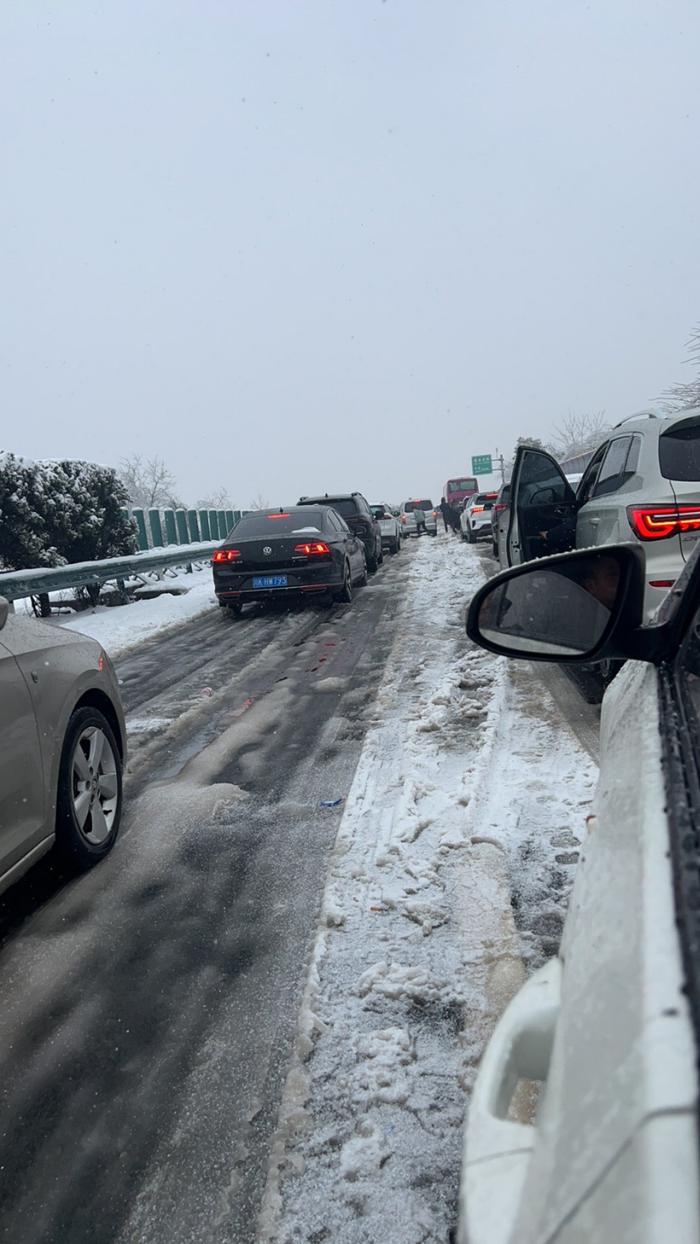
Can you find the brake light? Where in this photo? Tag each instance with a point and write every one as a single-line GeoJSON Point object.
{"type": "Point", "coordinates": [659, 522]}
{"type": "Point", "coordinates": [226, 555]}
{"type": "Point", "coordinates": [478, 509]}
{"type": "Point", "coordinates": [317, 549]}
{"type": "Point", "coordinates": [404, 519]}
{"type": "Point", "coordinates": [272, 517]}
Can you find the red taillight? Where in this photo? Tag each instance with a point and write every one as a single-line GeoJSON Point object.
{"type": "Point", "coordinates": [497, 508]}
{"type": "Point", "coordinates": [661, 582]}
{"type": "Point", "coordinates": [404, 519]}
{"type": "Point", "coordinates": [226, 555]}
{"type": "Point", "coordinates": [658, 522]}
{"type": "Point", "coordinates": [478, 509]}
{"type": "Point", "coordinates": [317, 549]}
{"type": "Point", "coordinates": [272, 517]}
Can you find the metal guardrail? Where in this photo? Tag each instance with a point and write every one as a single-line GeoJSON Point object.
{"type": "Point", "coordinates": [14, 584]}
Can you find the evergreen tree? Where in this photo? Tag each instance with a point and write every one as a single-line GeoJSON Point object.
{"type": "Point", "coordinates": [52, 513]}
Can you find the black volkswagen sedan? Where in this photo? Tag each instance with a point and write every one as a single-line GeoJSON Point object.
{"type": "Point", "coordinates": [294, 551]}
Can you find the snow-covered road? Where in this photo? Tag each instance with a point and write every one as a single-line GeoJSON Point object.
{"type": "Point", "coordinates": [469, 787]}
{"type": "Point", "coordinates": [260, 1017]}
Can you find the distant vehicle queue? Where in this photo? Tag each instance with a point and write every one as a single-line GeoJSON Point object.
{"type": "Point", "coordinates": [324, 546]}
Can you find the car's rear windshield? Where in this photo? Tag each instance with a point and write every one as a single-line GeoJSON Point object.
{"type": "Point", "coordinates": [278, 523]}
{"type": "Point", "coordinates": [418, 505]}
{"type": "Point", "coordinates": [679, 451]}
{"type": "Point", "coordinates": [380, 511]}
{"type": "Point", "coordinates": [461, 485]}
{"type": "Point", "coordinates": [486, 498]}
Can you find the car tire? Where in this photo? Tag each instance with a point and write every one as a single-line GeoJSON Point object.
{"type": "Point", "coordinates": [89, 782]}
{"type": "Point", "coordinates": [345, 593]}
{"type": "Point", "coordinates": [380, 556]}
{"type": "Point", "coordinates": [235, 609]}
{"type": "Point", "coordinates": [470, 536]}
{"type": "Point", "coordinates": [372, 564]}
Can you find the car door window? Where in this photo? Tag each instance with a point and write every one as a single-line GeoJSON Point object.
{"type": "Point", "coordinates": [541, 481]}
{"type": "Point", "coordinates": [590, 476]}
{"type": "Point", "coordinates": [612, 470]}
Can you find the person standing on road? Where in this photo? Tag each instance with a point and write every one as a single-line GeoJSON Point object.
{"type": "Point", "coordinates": [445, 511]}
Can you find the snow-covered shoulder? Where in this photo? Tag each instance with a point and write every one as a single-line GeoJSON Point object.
{"type": "Point", "coordinates": [417, 950]}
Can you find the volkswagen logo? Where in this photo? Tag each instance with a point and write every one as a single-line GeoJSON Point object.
{"type": "Point", "coordinates": [267, 550]}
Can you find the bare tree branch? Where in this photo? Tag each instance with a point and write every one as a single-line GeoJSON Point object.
{"type": "Point", "coordinates": [580, 432]}
{"type": "Point", "coordinates": [686, 394]}
{"type": "Point", "coordinates": [148, 482]}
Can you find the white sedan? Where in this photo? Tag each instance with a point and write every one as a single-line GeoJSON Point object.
{"type": "Point", "coordinates": [609, 1029]}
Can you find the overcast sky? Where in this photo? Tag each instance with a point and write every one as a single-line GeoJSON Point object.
{"type": "Point", "coordinates": [298, 245]}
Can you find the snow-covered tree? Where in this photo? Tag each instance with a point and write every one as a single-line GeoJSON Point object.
{"type": "Point", "coordinates": [52, 513]}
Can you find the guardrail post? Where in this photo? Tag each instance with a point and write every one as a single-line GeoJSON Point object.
{"type": "Point", "coordinates": [156, 529]}
{"type": "Point", "coordinates": [170, 532]}
{"type": "Point", "coordinates": [193, 526]}
{"type": "Point", "coordinates": [140, 520]}
{"type": "Point", "coordinates": [204, 524]}
{"type": "Point", "coordinates": [122, 592]}
{"type": "Point", "coordinates": [214, 524]}
{"type": "Point", "coordinates": [181, 521]}
{"type": "Point", "coordinates": [230, 520]}
{"type": "Point", "coordinates": [236, 516]}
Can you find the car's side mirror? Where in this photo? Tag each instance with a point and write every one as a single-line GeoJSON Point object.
{"type": "Point", "coordinates": [573, 607]}
{"type": "Point", "coordinates": [4, 611]}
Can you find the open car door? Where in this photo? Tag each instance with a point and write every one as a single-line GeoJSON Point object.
{"type": "Point", "coordinates": [542, 509]}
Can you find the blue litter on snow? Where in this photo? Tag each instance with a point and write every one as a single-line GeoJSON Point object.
{"type": "Point", "coordinates": [331, 803]}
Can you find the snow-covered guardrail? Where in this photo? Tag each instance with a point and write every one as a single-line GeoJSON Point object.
{"type": "Point", "coordinates": [15, 584]}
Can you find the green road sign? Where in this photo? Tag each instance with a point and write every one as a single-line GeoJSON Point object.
{"type": "Point", "coordinates": [482, 464]}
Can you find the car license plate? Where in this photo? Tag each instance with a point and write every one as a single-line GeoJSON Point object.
{"type": "Point", "coordinates": [270, 580]}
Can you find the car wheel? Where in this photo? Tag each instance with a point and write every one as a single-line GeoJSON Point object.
{"type": "Point", "coordinates": [345, 593]}
{"type": "Point", "coordinates": [372, 564]}
{"type": "Point", "coordinates": [470, 536]}
{"type": "Point", "coordinates": [380, 556]}
{"type": "Point", "coordinates": [89, 789]}
{"type": "Point", "coordinates": [235, 608]}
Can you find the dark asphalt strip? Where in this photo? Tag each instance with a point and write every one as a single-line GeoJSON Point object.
{"type": "Point", "coordinates": [149, 1007]}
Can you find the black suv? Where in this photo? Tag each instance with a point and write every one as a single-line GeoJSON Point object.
{"type": "Point", "coordinates": [359, 518]}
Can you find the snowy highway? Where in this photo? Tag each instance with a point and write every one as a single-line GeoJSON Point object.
{"type": "Point", "coordinates": [260, 1017]}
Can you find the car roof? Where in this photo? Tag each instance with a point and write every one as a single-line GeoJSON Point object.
{"type": "Point", "coordinates": [329, 497]}
{"type": "Point", "coordinates": [652, 421]}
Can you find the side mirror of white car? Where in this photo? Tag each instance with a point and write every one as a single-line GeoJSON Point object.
{"type": "Point", "coordinates": [574, 607]}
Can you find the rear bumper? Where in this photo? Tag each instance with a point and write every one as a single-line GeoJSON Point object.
{"type": "Point", "coordinates": [303, 581]}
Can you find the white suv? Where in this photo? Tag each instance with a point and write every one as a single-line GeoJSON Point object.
{"type": "Point", "coordinates": [642, 484]}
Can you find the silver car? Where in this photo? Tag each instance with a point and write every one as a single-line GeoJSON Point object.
{"type": "Point", "coordinates": [642, 484]}
{"type": "Point", "coordinates": [389, 526]}
{"type": "Point", "coordinates": [418, 517]}
{"type": "Point", "coordinates": [62, 746]}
